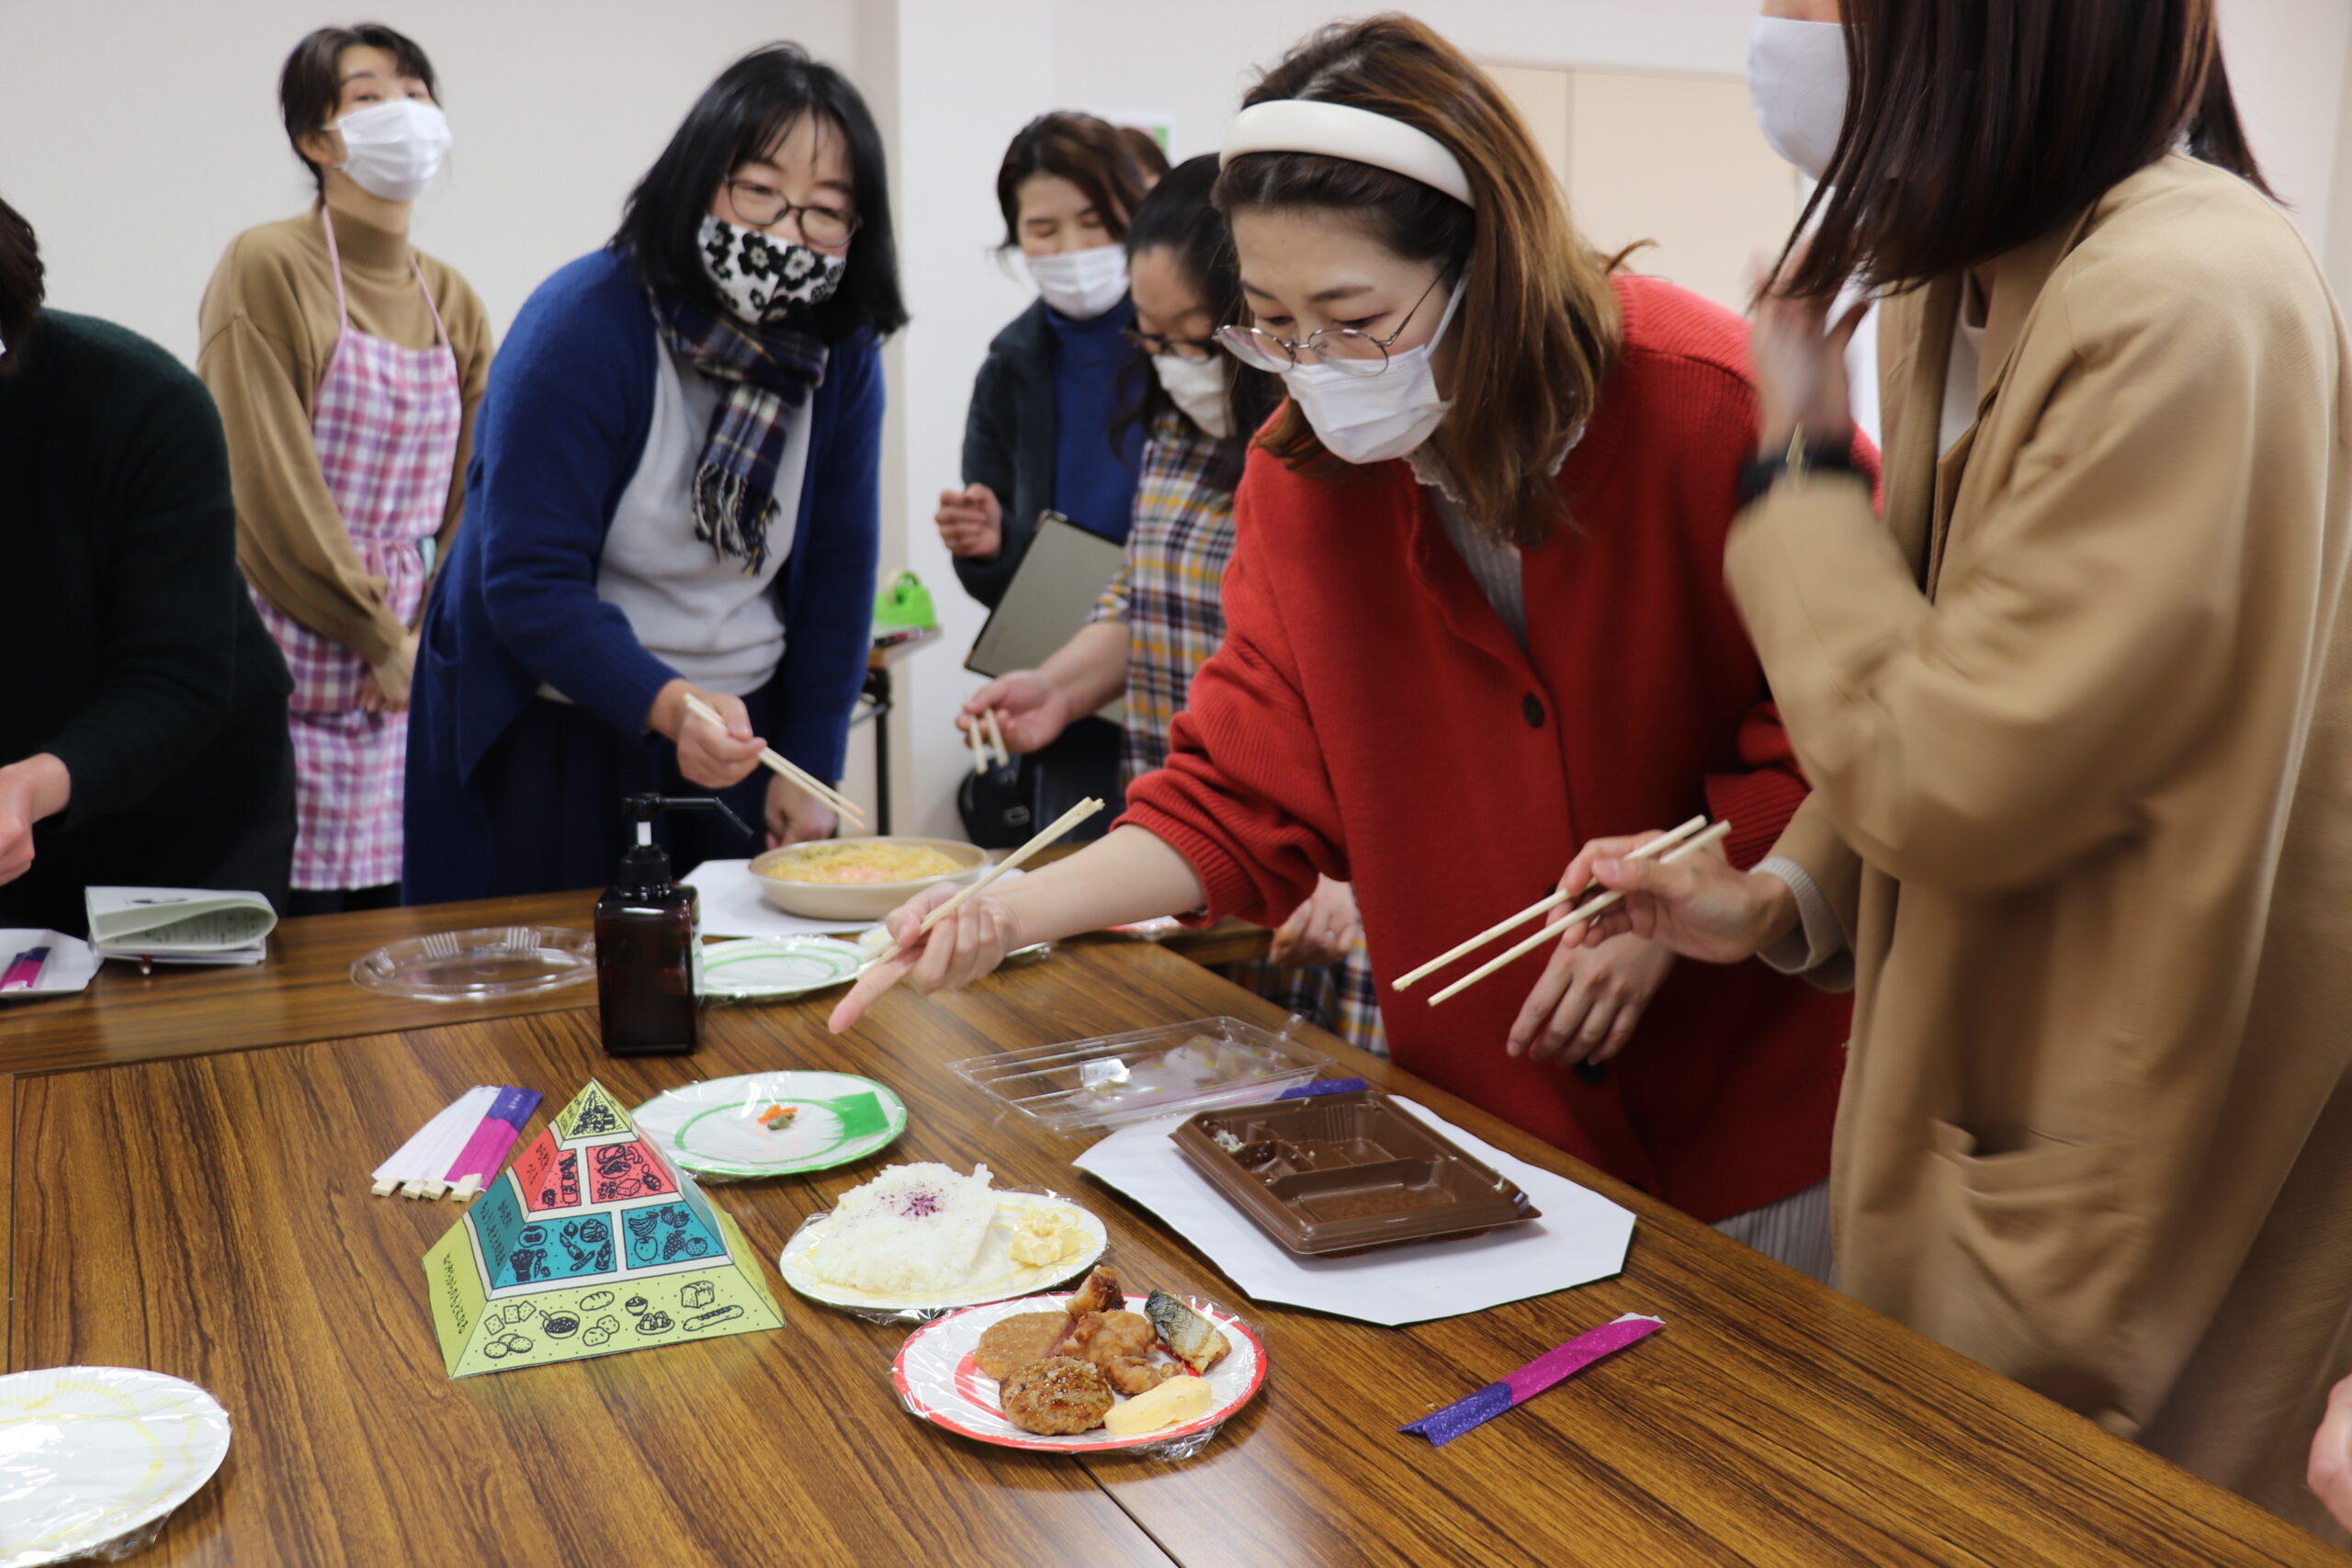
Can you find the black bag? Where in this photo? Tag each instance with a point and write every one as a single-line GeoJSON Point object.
{"type": "Point", "coordinates": [1004, 808]}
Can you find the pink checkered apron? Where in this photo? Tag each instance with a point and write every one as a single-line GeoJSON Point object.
{"type": "Point", "coordinates": [385, 422]}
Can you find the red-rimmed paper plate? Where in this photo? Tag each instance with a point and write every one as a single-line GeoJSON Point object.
{"type": "Point", "coordinates": [938, 1379]}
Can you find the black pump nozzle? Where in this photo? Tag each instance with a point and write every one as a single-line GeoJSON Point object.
{"type": "Point", "coordinates": [646, 863]}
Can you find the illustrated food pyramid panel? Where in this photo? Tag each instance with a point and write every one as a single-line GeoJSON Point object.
{"type": "Point", "coordinates": [590, 1244]}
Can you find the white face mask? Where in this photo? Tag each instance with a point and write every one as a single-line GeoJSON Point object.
{"type": "Point", "coordinates": [1197, 387]}
{"type": "Point", "coordinates": [394, 149]}
{"type": "Point", "coordinates": [1796, 78]}
{"type": "Point", "coordinates": [1370, 419]}
{"type": "Point", "coordinates": [1083, 284]}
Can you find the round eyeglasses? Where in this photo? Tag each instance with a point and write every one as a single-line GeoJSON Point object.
{"type": "Point", "coordinates": [1344, 349]}
{"type": "Point", "coordinates": [759, 205]}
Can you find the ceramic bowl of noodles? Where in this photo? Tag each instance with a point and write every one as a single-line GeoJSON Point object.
{"type": "Point", "coordinates": [860, 879]}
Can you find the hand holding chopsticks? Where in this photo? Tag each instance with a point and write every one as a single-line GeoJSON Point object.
{"type": "Point", "coordinates": [1668, 848]}
{"type": "Point", "coordinates": [1062, 824]}
{"type": "Point", "coordinates": [782, 766]}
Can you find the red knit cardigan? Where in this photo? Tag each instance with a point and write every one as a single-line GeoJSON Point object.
{"type": "Point", "coordinates": [1371, 717]}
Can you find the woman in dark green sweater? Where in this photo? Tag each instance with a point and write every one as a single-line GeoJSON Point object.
{"type": "Point", "coordinates": [142, 741]}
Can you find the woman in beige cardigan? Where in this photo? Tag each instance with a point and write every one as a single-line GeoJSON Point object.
{"type": "Point", "coordinates": [2078, 712]}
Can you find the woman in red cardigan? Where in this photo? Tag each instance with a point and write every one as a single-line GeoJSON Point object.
{"type": "Point", "coordinates": [1474, 616]}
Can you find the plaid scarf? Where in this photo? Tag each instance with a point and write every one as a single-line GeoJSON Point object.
{"type": "Point", "coordinates": [770, 371]}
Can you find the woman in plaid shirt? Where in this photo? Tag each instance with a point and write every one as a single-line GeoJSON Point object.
{"type": "Point", "coordinates": [1163, 617]}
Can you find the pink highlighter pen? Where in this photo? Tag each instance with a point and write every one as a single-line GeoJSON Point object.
{"type": "Point", "coordinates": [24, 974]}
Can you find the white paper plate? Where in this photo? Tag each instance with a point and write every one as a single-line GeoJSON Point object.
{"type": "Point", "coordinates": [88, 1454]}
{"type": "Point", "coordinates": [937, 1379]}
{"type": "Point", "coordinates": [777, 967]}
{"type": "Point", "coordinates": [712, 1126]}
{"type": "Point", "coordinates": [995, 1277]}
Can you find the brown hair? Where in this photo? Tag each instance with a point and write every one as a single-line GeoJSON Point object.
{"type": "Point", "coordinates": [1089, 154]}
{"type": "Point", "coordinates": [310, 86]}
{"type": "Point", "coordinates": [1151, 159]}
{"type": "Point", "coordinates": [1538, 328]}
{"type": "Point", "coordinates": [2027, 112]}
{"type": "Point", "coordinates": [21, 285]}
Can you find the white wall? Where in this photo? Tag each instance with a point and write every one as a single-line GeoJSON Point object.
{"type": "Point", "coordinates": [140, 136]}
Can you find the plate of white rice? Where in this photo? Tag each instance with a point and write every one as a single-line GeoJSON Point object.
{"type": "Point", "coordinates": [924, 1238]}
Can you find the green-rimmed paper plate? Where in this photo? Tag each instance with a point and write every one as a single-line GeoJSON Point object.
{"type": "Point", "coordinates": [714, 1127]}
{"type": "Point", "coordinates": [778, 966]}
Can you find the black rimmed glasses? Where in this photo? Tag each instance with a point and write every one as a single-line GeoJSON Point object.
{"type": "Point", "coordinates": [1344, 349]}
{"type": "Point", "coordinates": [1197, 349]}
{"type": "Point", "coordinates": [760, 206]}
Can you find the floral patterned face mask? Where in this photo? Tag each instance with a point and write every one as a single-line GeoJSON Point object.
{"type": "Point", "coordinates": [762, 279]}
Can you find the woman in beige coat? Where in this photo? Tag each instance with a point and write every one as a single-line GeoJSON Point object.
{"type": "Point", "coordinates": [2078, 712]}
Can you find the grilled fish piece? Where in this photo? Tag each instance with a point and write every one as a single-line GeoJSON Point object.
{"type": "Point", "coordinates": [1192, 1337]}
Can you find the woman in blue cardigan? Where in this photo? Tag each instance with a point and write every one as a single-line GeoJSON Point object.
{"type": "Point", "coordinates": [674, 492]}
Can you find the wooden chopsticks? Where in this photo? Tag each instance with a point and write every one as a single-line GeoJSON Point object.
{"type": "Point", "coordinates": [785, 766]}
{"type": "Point", "coordinates": [986, 737]}
{"type": "Point", "coordinates": [1060, 824]}
{"type": "Point", "coordinates": [1669, 847]}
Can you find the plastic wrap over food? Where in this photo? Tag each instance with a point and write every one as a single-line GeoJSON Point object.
{"type": "Point", "coordinates": [1073, 1242]}
{"type": "Point", "coordinates": [939, 1379]}
{"type": "Point", "coordinates": [93, 1460]}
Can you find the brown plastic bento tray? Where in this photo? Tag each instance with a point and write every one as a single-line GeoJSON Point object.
{"type": "Point", "coordinates": [1340, 1172]}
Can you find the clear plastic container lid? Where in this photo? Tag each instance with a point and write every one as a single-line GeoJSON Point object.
{"type": "Point", "coordinates": [1116, 1080]}
{"type": "Point", "coordinates": [491, 960]}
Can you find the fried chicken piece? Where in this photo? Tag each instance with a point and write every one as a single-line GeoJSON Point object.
{"type": "Point", "coordinates": [1057, 1395]}
{"type": "Point", "coordinates": [1133, 1374]}
{"type": "Point", "coordinates": [1101, 1292]}
{"type": "Point", "coordinates": [1017, 1342]}
{"type": "Point", "coordinates": [1112, 1335]}
{"type": "Point", "coordinates": [1121, 1344]}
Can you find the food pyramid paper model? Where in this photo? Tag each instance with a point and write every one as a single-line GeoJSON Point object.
{"type": "Point", "coordinates": [590, 1244]}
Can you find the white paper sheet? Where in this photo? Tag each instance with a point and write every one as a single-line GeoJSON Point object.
{"type": "Point", "coordinates": [1581, 1237]}
{"type": "Point", "coordinates": [731, 905]}
{"type": "Point", "coordinates": [71, 962]}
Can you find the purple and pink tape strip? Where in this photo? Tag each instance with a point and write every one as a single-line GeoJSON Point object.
{"type": "Point", "coordinates": [1441, 1427]}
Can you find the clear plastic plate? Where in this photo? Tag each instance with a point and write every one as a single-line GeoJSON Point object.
{"type": "Point", "coordinates": [1116, 1080]}
{"type": "Point", "coordinates": [491, 960]}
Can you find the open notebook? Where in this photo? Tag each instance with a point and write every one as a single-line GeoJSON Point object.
{"type": "Point", "coordinates": [179, 925]}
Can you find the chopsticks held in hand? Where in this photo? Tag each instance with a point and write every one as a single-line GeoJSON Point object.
{"type": "Point", "coordinates": [776, 762]}
{"type": "Point", "coordinates": [986, 737]}
{"type": "Point", "coordinates": [1668, 847]}
{"type": "Point", "coordinates": [1060, 824]}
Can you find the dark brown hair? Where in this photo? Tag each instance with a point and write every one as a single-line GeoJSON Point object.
{"type": "Point", "coordinates": [1972, 126]}
{"type": "Point", "coordinates": [310, 86]}
{"type": "Point", "coordinates": [1089, 154]}
{"type": "Point", "coordinates": [22, 285]}
{"type": "Point", "coordinates": [1538, 328]}
{"type": "Point", "coordinates": [1151, 159]}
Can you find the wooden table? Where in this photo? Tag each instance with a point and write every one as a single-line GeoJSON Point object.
{"type": "Point", "coordinates": [190, 1194]}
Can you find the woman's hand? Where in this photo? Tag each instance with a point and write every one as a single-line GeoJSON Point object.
{"type": "Point", "coordinates": [1699, 907]}
{"type": "Point", "coordinates": [971, 521]}
{"type": "Point", "coordinates": [2331, 1467]}
{"type": "Point", "coordinates": [1799, 356]}
{"type": "Point", "coordinates": [30, 790]}
{"type": "Point", "coordinates": [961, 949]}
{"type": "Point", "coordinates": [796, 817]}
{"type": "Point", "coordinates": [1322, 931]}
{"type": "Point", "coordinates": [709, 756]}
{"type": "Point", "coordinates": [384, 688]}
{"type": "Point", "coordinates": [1031, 709]}
{"type": "Point", "coordinates": [1584, 1007]}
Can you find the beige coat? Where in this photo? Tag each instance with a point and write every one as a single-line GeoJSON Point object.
{"type": "Point", "coordinates": [2078, 717]}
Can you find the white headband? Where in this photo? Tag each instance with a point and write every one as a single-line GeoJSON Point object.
{"type": "Point", "coordinates": [1338, 130]}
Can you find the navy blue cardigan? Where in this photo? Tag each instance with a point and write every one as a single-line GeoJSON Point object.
{"type": "Point", "coordinates": [558, 435]}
